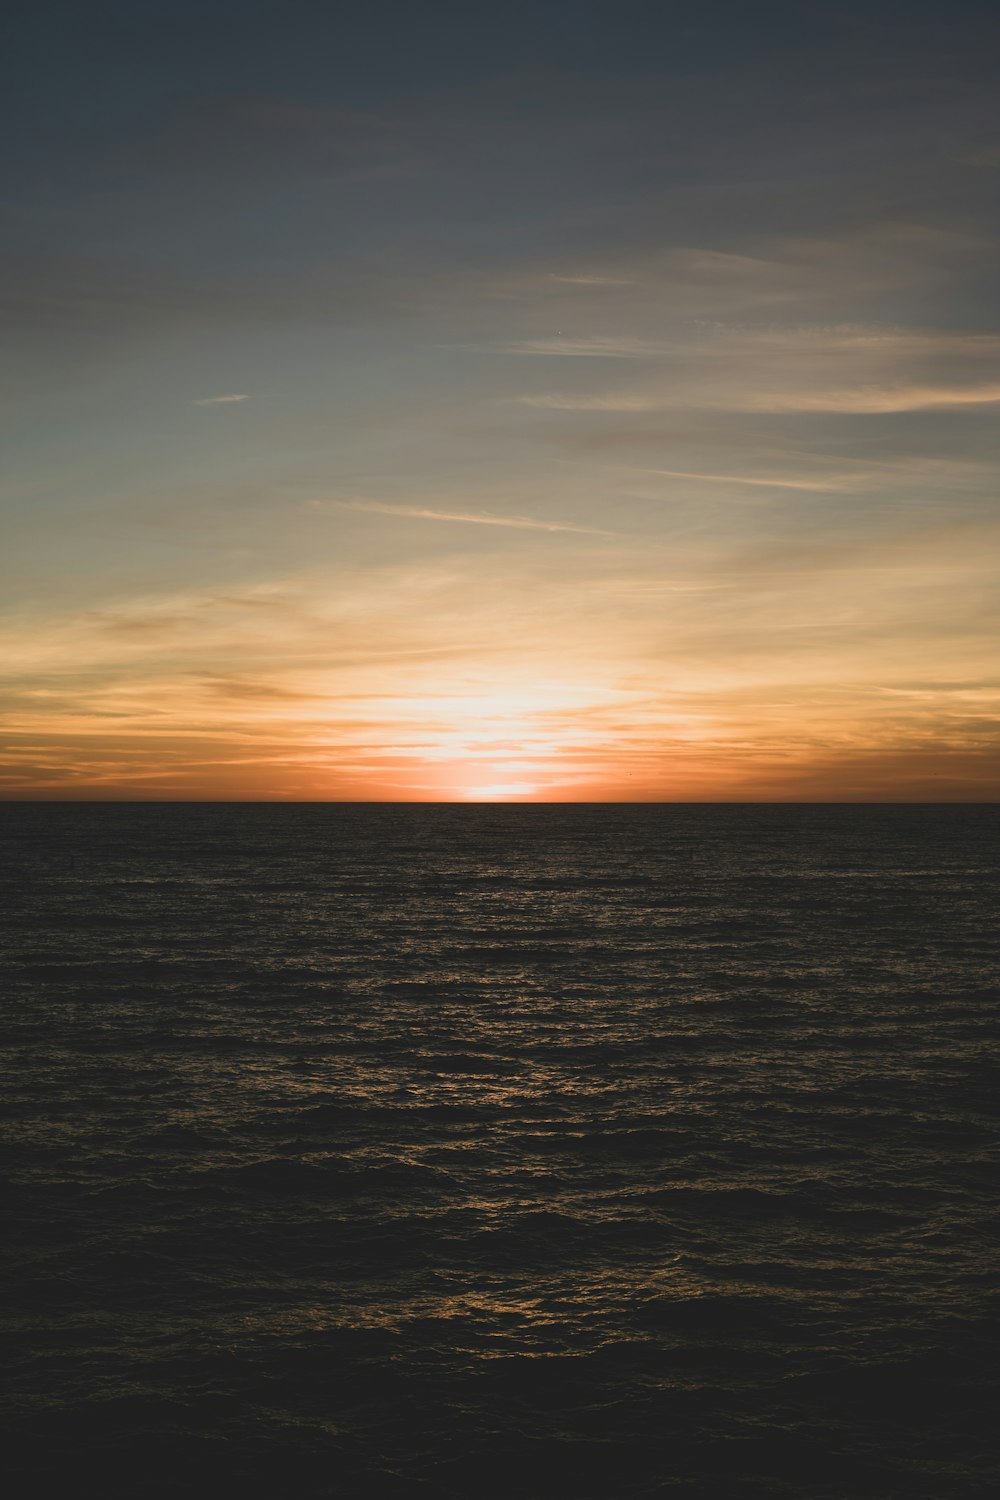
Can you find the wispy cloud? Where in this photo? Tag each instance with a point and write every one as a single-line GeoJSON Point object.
{"type": "Point", "coordinates": [880, 400]}
{"type": "Point", "coordinates": [465, 518]}
{"type": "Point", "coordinates": [850, 369]}
{"type": "Point", "coordinates": [593, 280]}
{"type": "Point", "coordinates": [611, 347]}
{"type": "Point", "coordinates": [609, 401]}
{"type": "Point", "coordinates": [222, 400]}
{"type": "Point", "coordinates": [831, 484]}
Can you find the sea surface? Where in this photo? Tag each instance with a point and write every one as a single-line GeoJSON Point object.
{"type": "Point", "coordinates": [559, 1152]}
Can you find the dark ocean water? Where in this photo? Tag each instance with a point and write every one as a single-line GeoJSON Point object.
{"type": "Point", "coordinates": [545, 1151]}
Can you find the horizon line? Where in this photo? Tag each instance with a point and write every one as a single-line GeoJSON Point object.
{"type": "Point", "coordinates": [497, 802]}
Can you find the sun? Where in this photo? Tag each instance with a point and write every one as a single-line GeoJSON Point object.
{"type": "Point", "coordinates": [498, 790]}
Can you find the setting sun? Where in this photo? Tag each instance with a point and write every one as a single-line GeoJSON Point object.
{"type": "Point", "coordinates": [499, 790]}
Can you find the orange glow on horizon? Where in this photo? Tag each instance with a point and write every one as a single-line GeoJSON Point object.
{"type": "Point", "coordinates": [499, 791]}
{"type": "Point", "coordinates": [423, 686]}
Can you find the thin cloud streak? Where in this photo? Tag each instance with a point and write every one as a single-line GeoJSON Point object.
{"type": "Point", "coordinates": [466, 518]}
{"type": "Point", "coordinates": [584, 348]}
{"type": "Point", "coordinates": [840, 484]}
{"type": "Point", "coordinates": [878, 402]}
{"type": "Point", "coordinates": [593, 280]}
{"type": "Point", "coordinates": [865, 370]}
{"type": "Point", "coordinates": [222, 400]}
{"type": "Point", "coordinates": [610, 402]}
{"type": "Point", "coordinates": [861, 402]}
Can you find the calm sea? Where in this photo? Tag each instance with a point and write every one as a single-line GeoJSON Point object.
{"type": "Point", "coordinates": [552, 1152]}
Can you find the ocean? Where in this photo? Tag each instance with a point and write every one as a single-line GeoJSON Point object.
{"type": "Point", "coordinates": [563, 1152]}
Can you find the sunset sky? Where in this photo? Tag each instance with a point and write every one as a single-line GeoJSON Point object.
{"type": "Point", "coordinates": [530, 401]}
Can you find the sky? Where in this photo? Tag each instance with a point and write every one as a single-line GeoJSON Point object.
{"type": "Point", "coordinates": [517, 402]}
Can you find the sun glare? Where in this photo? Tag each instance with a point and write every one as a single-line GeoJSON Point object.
{"type": "Point", "coordinates": [498, 790]}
